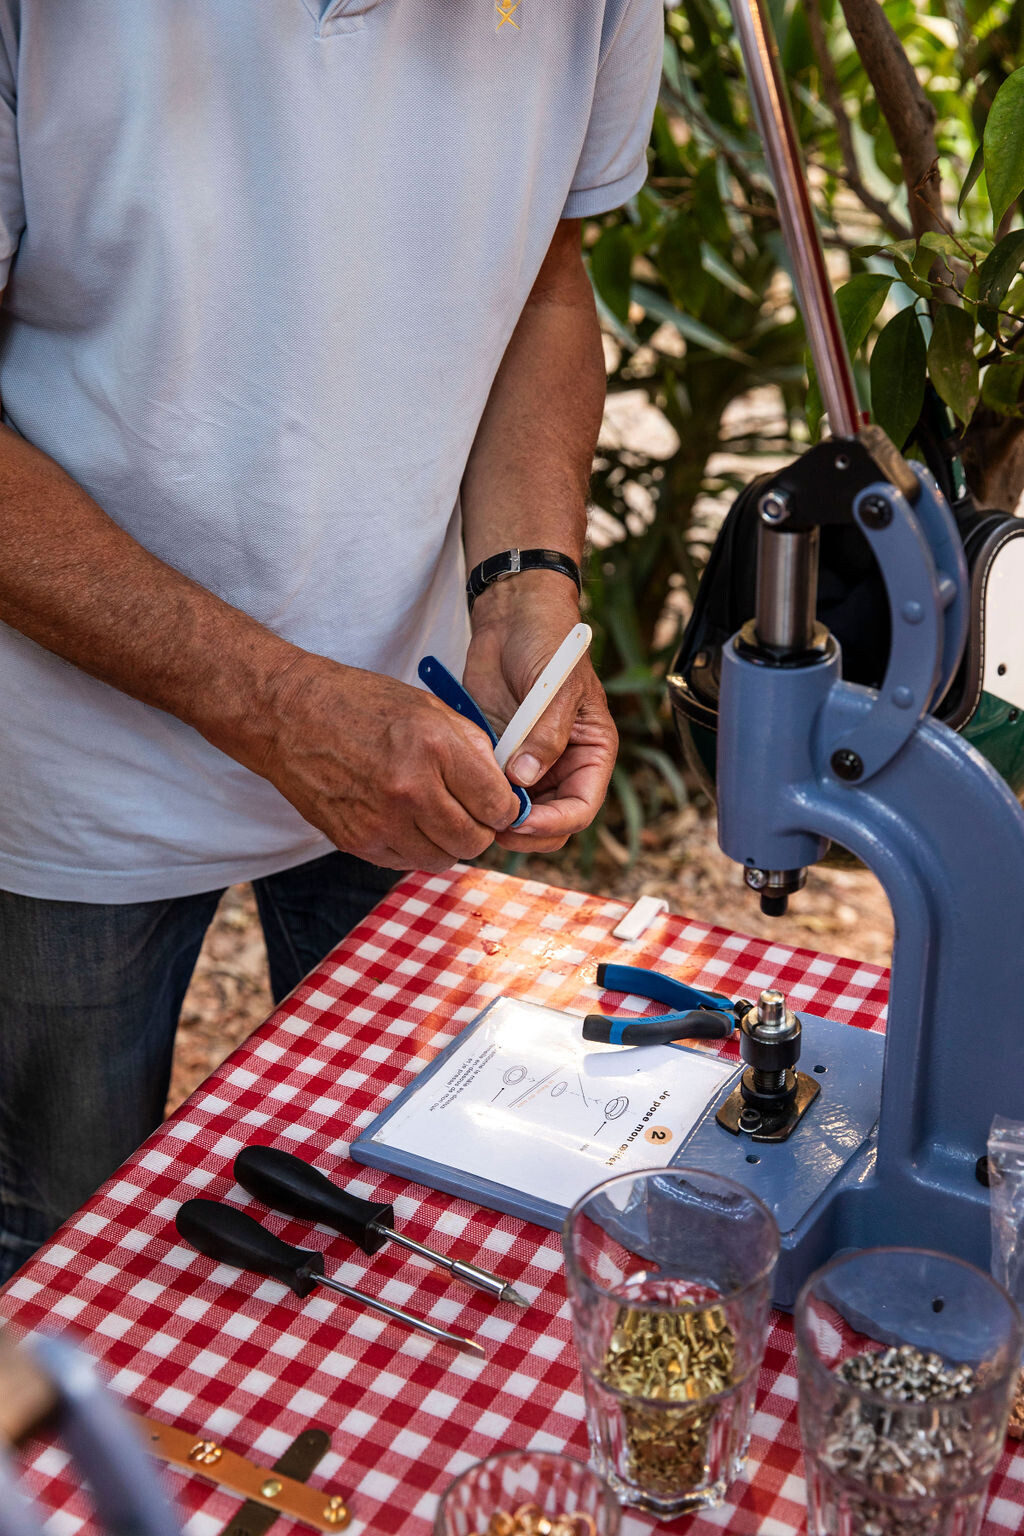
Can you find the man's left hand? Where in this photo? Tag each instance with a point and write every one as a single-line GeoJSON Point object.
{"type": "Point", "coordinates": [567, 760]}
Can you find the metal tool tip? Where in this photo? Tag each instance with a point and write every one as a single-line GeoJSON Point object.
{"type": "Point", "coordinates": [509, 1293]}
{"type": "Point", "coordinates": [470, 1347]}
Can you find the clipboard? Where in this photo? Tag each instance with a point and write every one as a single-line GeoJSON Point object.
{"type": "Point", "coordinates": [522, 1115]}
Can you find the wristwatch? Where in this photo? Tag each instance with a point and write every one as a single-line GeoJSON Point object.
{"type": "Point", "coordinates": [511, 561]}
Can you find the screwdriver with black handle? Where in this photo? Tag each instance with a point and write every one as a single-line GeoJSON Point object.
{"type": "Point", "coordinates": [230, 1236]}
{"type": "Point", "coordinates": [287, 1184]}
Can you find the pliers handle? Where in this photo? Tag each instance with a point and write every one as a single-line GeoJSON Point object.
{"type": "Point", "coordinates": [695, 1015]}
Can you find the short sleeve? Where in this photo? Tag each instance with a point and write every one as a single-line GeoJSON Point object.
{"type": "Point", "coordinates": [12, 207]}
{"type": "Point", "coordinates": [613, 163]}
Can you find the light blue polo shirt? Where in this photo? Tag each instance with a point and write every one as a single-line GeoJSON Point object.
{"type": "Point", "coordinates": [263, 258]}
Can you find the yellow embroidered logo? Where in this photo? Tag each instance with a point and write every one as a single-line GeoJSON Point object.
{"type": "Point", "coordinates": [506, 10]}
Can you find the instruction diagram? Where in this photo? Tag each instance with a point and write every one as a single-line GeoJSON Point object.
{"type": "Point", "coordinates": [522, 1097]}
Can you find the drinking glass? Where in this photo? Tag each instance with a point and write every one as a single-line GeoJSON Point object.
{"type": "Point", "coordinates": [516, 1493]}
{"type": "Point", "coordinates": [907, 1361]}
{"type": "Point", "coordinates": [669, 1273]}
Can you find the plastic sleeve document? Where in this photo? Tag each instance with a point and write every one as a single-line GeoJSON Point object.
{"type": "Point", "coordinates": [523, 1115]}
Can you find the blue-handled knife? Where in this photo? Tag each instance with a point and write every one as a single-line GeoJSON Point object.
{"type": "Point", "coordinates": [435, 676]}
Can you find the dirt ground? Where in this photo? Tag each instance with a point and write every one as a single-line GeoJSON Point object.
{"type": "Point", "coordinates": [841, 911]}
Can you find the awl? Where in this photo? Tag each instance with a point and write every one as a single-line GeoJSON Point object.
{"type": "Point", "coordinates": [225, 1233]}
{"type": "Point", "coordinates": [287, 1184]}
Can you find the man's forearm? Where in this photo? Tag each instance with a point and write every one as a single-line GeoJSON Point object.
{"type": "Point", "coordinates": [526, 485]}
{"type": "Point", "coordinates": [76, 583]}
{"type": "Point", "coordinates": [527, 477]}
{"type": "Point", "coordinates": [414, 786]}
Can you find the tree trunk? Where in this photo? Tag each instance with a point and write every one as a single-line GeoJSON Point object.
{"type": "Point", "coordinates": [993, 451]}
{"type": "Point", "coordinates": [905, 107]}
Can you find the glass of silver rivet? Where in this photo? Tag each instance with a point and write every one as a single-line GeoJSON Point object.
{"type": "Point", "coordinates": [907, 1361]}
{"type": "Point", "coordinates": [669, 1273]}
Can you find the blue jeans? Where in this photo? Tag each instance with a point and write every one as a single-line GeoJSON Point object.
{"type": "Point", "coordinates": [89, 1003]}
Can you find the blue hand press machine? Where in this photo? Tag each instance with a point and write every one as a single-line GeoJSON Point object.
{"type": "Point", "coordinates": [886, 1149]}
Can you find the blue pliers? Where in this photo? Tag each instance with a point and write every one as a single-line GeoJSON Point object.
{"type": "Point", "coordinates": [444, 686]}
{"type": "Point", "coordinates": [695, 1015]}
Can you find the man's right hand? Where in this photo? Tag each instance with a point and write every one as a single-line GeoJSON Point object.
{"type": "Point", "coordinates": [387, 771]}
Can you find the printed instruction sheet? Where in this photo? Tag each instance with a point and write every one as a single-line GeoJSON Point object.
{"type": "Point", "coordinates": [522, 1099]}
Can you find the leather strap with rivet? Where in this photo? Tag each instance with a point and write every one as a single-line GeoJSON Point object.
{"type": "Point", "coordinates": [268, 1487]}
{"type": "Point", "coordinates": [299, 1460]}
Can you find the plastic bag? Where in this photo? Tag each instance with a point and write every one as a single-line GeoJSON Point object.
{"type": "Point", "coordinates": [1006, 1188]}
{"type": "Point", "coordinates": [1006, 1191]}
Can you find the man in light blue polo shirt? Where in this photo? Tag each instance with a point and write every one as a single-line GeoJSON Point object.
{"type": "Point", "coordinates": [295, 332]}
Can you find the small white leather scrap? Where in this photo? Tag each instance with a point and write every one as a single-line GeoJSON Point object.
{"type": "Point", "coordinates": [639, 917]}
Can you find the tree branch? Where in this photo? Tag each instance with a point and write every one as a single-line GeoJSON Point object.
{"type": "Point", "coordinates": [834, 97]}
{"type": "Point", "coordinates": [906, 108]}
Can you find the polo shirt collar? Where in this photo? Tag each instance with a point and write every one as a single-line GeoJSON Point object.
{"type": "Point", "coordinates": [328, 13]}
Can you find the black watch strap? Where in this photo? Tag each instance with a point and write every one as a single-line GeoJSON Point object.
{"type": "Point", "coordinates": [511, 561]}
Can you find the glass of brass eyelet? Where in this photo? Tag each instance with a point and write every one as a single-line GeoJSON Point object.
{"type": "Point", "coordinates": [528, 1493]}
{"type": "Point", "coordinates": [669, 1273]}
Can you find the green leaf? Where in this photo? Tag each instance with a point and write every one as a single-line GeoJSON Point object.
{"type": "Point", "coordinates": [905, 248]}
{"type": "Point", "coordinates": [708, 206]}
{"type": "Point", "coordinates": [632, 810]}
{"type": "Point", "coordinates": [858, 303]}
{"type": "Point", "coordinates": [995, 276]}
{"type": "Point", "coordinates": [974, 170]}
{"type": "Point", "coordinates": [1000, 267]}
{"type": "Point", "coordinates": [624, 334]}
{"type": "Point", "coordinates": [636, 679]}
{"type": "Point", "coordinates": [1001, 386]}
{"type": "Point", "coordinates": [907, 275]}
{"type": "Point", "coordinates": [952, 365]}
{"type": "Point", "coordinates": [611, 262]}
{"type": "Point", "coordinates": [680, 265]}
{"type": "Point", "coordinates": [898, 375]}
{"type": "Point", "coordinates": [718, 268]}
{"type": "Point", "coordinates": [923, 262]}
{"type": "Point", "coordinates": [667, 768]}
{"type": "Point", "coordinates": [669, 160]}
{"type": "Point", "coordinates": [944, 245]}
{"type": "Point", "coordinates": [647, 219]}
{"type": "Point", "coordinates": [586, 845]}
{"type": "Point", "coordinates": [1004, 145]}
{"type": "Point", "coordinates": [701, 335]}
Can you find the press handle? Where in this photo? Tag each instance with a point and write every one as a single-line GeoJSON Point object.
{"type": "Point", "coordinates": [285, 1183]}
{"type": "Point", "coordinates": [225, 1233]}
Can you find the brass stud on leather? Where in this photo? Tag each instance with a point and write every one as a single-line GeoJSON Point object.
{"type": "Point", "coordinates": [270, 1488]}
{"type": "Point", "coordinates": [205, 1453]}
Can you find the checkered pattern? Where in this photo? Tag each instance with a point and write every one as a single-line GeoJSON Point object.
{"type": "Point", "coordinates": [242, 1359]}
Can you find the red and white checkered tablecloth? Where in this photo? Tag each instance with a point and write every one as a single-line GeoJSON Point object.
{"type": "Point", "coordinates": [247, 1362]}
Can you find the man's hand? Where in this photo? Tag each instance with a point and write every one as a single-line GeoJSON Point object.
{"type": "Point", "coordinates": [388, 772]}
{"type": "Point", "coordinates": [567, 759]}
